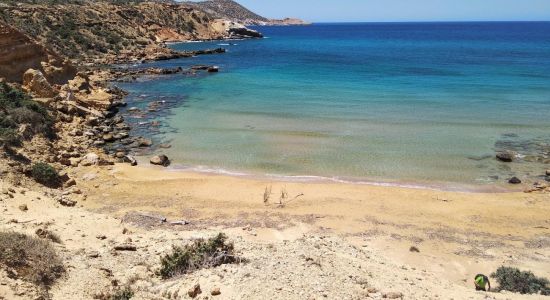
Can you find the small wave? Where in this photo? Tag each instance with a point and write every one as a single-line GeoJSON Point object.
{"type": "Point", "coordinates": [224, 44]}
{"type": "Point", "coordinates": [324, 179]}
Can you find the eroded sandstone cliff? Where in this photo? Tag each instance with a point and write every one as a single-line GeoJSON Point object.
{"type": "Point", "coordinates": [18, 53]}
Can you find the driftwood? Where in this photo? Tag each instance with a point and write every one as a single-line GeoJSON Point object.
{"type": "Point", "coordinates": [182, 222]}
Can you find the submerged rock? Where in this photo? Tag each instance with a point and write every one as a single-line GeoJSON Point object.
{"type": "Point", "coordinates": [506, 156]}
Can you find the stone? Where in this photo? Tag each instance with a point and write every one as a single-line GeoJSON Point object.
{"type": "Point", "coordinates": [216, 291]}
{"type": "Point", "coordinates": [66, 202]}
{"type": "Point", "coordinates": [125, 247]}
{"type": "Point", "coordinates": [91, 158]}
{"type": "Point", "coordinates": [143, 142]}
{"type": "Point", "coordinates": [109, 137]}
{"type": "Point", "coordinates": [514, 180]}
{"type": "Point", "coordinates": [547, 172]}
{"type": "Point", "coordinates": [70, 182]}
{"type": "Point", "coordinates": [131, 160]}
{"type": "Point", "coordinates": [213, 70]}
{"type": "Point", "coordinates": [120, 154]}
{"type": "Point", "coordinates": [80, 83]}
{"type": "Point", "coordinates": [160, 160]}
{"type": "Point", "coordinates": [74, 161]}
{"type": "Point", "coordinates": [194, 291]}
{"type": "Point", "coordinates": [414, 249]}
{"type": "Point", "coordinates": [35, 83]}
{"type": "Point", "coordinates": [23, 207]}
{"type": "Point", "coordinates": [93, 254]}
{"type": "Point", "coordinates": [506, 156]}
{"type": "Point", "coordinates": [393, 295]}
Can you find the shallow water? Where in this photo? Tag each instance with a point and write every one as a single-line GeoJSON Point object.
{"type": "Point", "coordinates": [417, 102]}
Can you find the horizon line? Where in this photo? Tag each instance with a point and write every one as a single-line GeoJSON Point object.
{"type": "Point", "coordinates": [438, 21]}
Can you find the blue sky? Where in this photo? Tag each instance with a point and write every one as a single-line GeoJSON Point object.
{"type": "Point", "coordinates": [403, 10]}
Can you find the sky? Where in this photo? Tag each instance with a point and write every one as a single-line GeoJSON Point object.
{"type": "Point", "coordinates": [403, 10]}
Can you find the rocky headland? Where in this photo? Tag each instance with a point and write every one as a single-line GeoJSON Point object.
{"type": "Point", "coordinates": [231, 10]}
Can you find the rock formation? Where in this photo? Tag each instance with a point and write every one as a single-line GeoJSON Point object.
{"type": "Point", "coordinates": [231, 10]}
{"type": "Point", "coordinates": [18, 53]}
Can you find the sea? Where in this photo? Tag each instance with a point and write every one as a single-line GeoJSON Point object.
{"type": "Point", "coordinates": [414, 104]}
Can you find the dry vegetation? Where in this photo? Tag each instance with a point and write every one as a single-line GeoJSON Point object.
{"type": "Point", "coordinates": [31, 259]}
{"type": "Point", "coordinates": [200, 254]}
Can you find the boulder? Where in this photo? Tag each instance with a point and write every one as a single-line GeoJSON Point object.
{"type": "Point", "coordinates": [514, 180]}
{"type": "Point", "coordinates": [143, 142]}
{"type": "Point", "coordinates": [506, 156]}
{"type": "Point", "coordinates": [194, 291]}
{"type": "Point", "coordinates": [547, 172]}
{"type": "Point", "coordinates": [35, 83]}
{"type": "Point", "coordinates": [160, 160]}
{"type": "Point", "coordinates": [109, 137]}
{"type": "Point", "coordinates": [213, 70]}
{"type": "Point", "coordinates": [80, 83]}
{"type": "Point", "coordinates": [90, 159]}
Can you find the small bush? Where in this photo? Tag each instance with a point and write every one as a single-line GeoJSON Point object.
{"type": "Point", "coordinates": [122, 294]}
{"type": "Point", "coordinates": [34, 260]}
{"type": "Point", "coordinates": [514, 280]}
{"type": "Point", "coordinates": [45, 174]}
{"type": "Point", "coordinates": [9, 137]}
{"type": "Point", "coordinates": [16, 109]}
{"type": "Point", "coordinates": [200, 254]}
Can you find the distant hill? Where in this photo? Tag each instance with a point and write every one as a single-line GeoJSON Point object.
{"type": "Point", "coordinates": [228, 9]}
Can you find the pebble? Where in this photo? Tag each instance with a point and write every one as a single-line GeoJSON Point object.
{"type": "Point", "coordinates": [216, 291]}
{"type": "Point", "coordinates": [23, 207]}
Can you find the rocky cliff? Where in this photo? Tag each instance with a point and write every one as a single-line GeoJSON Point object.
{"type": "Point", "coordinates": [18, 53]}
{"type": "Point", "coordinates": [102, 31]}
{"type": "Point", "coordinates": [231, 10]}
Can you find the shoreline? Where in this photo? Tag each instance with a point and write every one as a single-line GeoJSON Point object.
{"type": "Point", "coordinates": [441, 186]}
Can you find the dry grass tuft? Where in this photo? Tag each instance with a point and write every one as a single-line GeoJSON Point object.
{"type": "Point", "coordinates": [31, 259]}
{"type": "Point", "coordinates": [200, 254]}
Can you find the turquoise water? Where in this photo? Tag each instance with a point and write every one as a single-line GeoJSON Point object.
{"type": "Point", "coordinates": [415, 103]}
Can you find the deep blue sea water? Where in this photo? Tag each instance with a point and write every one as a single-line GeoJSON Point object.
{"type": "Point", "coordinates": [405, 102]}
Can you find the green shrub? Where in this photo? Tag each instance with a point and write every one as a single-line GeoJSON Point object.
{"type": "Point", "coordinates": [34, 259]}
{"type": "Point", "coordinates": [514, 280]}
{"type": "Point", "coordinates": [45, 174]}
{"type": "Point", "coordinates": [200, 254]}
{"type": "Point", "coordinates": [16, 109]}
{"type": "Point", "coordinates": [9, 137]}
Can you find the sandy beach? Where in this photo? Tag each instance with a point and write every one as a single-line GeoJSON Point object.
{"type": "Point", "coordinates": [458, 234]}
